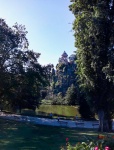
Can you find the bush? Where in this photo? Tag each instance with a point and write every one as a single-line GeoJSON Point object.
{"type": "Point", "coordinates": [71, 97]}
{"type": "Point", "coordinates": [58, 99]}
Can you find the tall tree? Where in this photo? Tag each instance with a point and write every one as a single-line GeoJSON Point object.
{"type": "Point", "coordinates": [71, 96]}
{"type": "Point", "coordinates": [21, 75]}
{"type": "Point", "coordinates": [94, 36]}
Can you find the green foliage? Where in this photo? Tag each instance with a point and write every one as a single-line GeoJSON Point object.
{"type": "Point", "coordinates": [80, 146]}
{"type": "Point", "coordinates": [58, 99]}
{"type": "Point", "coordinates": [71, 97]}
{"type": "Point", "coordinates": [60, 80]}
{"type": "Point", "coordinates": [87, 146]}
{"type": "Point", "coordinates": [85, 110]}
{"type": "Point", "coordinates": [65, 76]}
{"type": "Point", "coordinates": [21, 75]}
{"type": "Point", "coordinates": [104, 142]}
{"type": "Point", "coordinates": [43, 93]}
{"type": "Point", "coordinates": [94, 39]}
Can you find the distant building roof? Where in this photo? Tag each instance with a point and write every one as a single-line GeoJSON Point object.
{"type": "Point", "coordinates": [64, 54]}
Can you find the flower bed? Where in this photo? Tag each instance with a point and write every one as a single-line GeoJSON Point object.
{"type": "Point", "coordinates": [104, 142]}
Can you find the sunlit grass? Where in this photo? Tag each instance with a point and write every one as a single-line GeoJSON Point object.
{"type": "Point", "coordinates": [58, 110]}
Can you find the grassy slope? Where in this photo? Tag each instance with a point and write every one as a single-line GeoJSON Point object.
{"type": "Point", "coordinates": [23, 136]}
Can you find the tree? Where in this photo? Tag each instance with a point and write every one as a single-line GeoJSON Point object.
{"type": "Point", "coordinates": [71, 97]}
{"type": "Point", "coordinates": [61, 78]}
{"type": "Point", "coordinates": [84, 109]}
{"type": "Point", "coordinates": [21, 76]}
{"type": "Point", "coordinates": [26, 90]}
{"type": "Point", "coordinates": [94, 34]}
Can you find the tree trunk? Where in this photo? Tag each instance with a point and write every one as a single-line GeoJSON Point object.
{"type": "Point", "coordinates": [105, 125]}
{"type": "Point", "coordinates": [101, 119]}
{"type": "Point", "coordinates": [110, 124]}
{"type": "Point", "coordinates": [20, 110]}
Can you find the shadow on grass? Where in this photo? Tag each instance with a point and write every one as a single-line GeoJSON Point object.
{"type": "Point", "coordinates": [26, 136]}
{"type": "Point", "coordinates": [41, 114]}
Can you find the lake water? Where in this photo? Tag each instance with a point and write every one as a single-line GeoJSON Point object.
{"type": "Point", "coordinates": [58, 110]}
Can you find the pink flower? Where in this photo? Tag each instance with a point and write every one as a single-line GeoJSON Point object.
{"type": "Point", "coordinates": [107, 148]}
{"type": "Point", "coordinates": [96, 148]}
{"type": "Point", "coordinates": [67, 139]}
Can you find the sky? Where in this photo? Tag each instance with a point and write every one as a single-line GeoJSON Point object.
{"type": "Point", "coordinates": [49, 25]}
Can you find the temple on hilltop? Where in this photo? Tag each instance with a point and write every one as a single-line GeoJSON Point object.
{"type": "Point", "coordinates": [64, 58]}
{"type": "Point", "coordinates": [63, 77]}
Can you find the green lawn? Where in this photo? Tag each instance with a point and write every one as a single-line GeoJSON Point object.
{"type": "Point", "coordinates": [23, 136]}
{"type": "Point", "coordinates": [61, 110]}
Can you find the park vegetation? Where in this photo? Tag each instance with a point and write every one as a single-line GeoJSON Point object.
{"type": "Point", "coordinates": [88, 81]}
{"type": "Point", "coordinates": [94, 39]}
{"type": "Point", "coordinates": [21, 76]}
{"type": "Point", "coordinates": [63, 88]}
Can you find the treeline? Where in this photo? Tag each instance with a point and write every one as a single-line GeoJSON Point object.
{"type": "Point", "coordinates": [94, 41]}
{"type": "Point", "coordinates": [63, 88]}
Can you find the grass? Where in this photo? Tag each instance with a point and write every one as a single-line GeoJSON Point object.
{"type": "Point", "coordinates": [22, 136]}
{"type": "Point", "coordinates": [60, 110]}
{"type": "Point", "coordinates": [67, 112]}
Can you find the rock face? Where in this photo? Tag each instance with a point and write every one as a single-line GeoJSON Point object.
{"type": "Point", "coordinates": [64, 75]}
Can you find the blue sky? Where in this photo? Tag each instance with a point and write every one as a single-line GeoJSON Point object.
{"type": "Point", "coordinates": [48, 22]}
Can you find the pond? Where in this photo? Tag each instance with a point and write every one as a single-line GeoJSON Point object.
{"type": "Point", "coordinates": [60, 110]}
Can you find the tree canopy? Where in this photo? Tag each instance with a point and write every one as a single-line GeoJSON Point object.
{"type": "Point", "coordinates": [21, 76]}
{"type": "Point", "coordinates": [94, 40]}
{"type": "Point", "coordinates": [61, 79]}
